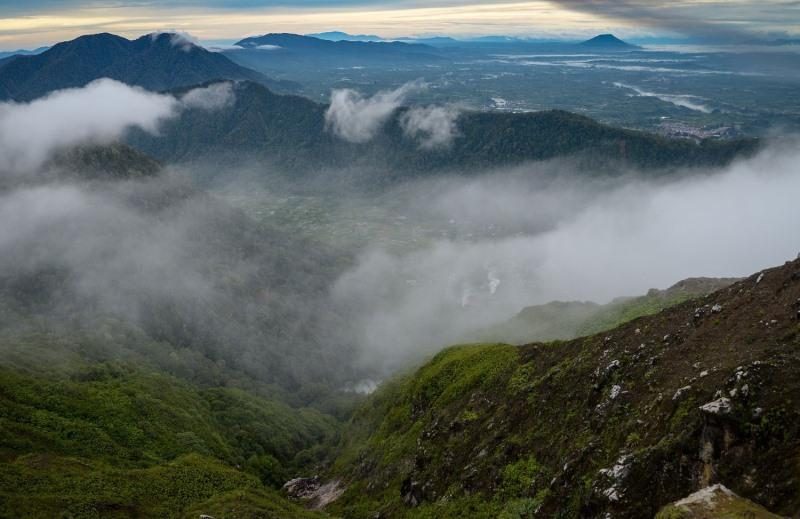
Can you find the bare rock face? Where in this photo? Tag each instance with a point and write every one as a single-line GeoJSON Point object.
{"type": "Point", "coordinates": [714, 501]}
{"type": "Point", "coordinates": [313, 491]}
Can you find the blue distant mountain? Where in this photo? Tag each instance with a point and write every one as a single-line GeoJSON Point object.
{"type": "Point", "coordinates": [22, 52]}
{"type": "Point", "coordinates": [276, 51]}
{"type": "Point", "coordinates": [608, 42]}
{"type": "Point", "coordinates": [343, 36]}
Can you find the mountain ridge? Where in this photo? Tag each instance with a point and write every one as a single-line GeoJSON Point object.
{"type": "Point", "coordinates": [156, 62]}
{"type": "Point", "coordinates": [291, 130]}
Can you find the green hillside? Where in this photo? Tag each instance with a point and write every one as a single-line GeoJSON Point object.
{"type": "Point", "coordinates": [117, 441]}
{"type": "Point", "coordinates": [620, 423]}
{"type": "Point", "coordinates": [287, 133]}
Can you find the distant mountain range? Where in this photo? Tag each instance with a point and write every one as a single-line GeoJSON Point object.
{"type": "Point", "coordinates": [290, 51]}
{"type": "Point", "coordinates": [289, 132]}
{"type": "Point", "coordinates": [22, 52]}
{"type": "Point", "coordinates": [340, 36]}
{"type": "Point", "coordinates": [155, 62]}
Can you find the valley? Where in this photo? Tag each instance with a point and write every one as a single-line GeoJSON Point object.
{"type": "Point", "coordinates": [336, 276]}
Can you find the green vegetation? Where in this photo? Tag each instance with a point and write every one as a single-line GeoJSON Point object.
{"type": "Point", "coordinates": [114, 441]}
{"type": "Point", "coordinates": [289, 134]}
{"type": "Point", "coordinates": [593, 425]}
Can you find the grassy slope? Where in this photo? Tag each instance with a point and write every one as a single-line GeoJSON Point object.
{"type": "Point", "coordinates": [568, 320]}
{"type": "Point", "coordinates": [113, 441]}
{"type": "Point", "coordinates": [496, 431]}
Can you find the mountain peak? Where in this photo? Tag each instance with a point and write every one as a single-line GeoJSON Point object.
{"type": "Point", "coordinates": [607, 41]}
{"type": "Point", "coordinates": [158, 61]}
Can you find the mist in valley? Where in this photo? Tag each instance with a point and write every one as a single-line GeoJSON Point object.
{"type": "Point", "coordinates": [545, 232]}
{"type": "Point", "coordinates": [285, 306]}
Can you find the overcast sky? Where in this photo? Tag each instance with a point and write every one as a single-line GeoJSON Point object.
{"type": "Point", "coordinates": [27, 23]}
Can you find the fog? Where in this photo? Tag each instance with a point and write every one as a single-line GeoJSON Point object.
{"type": "Point", "coordinates": [194, 272]}
{"type": "Point", "coordinates": [156, 252]}
{"type": "Point", "coordinates": [531, 238]}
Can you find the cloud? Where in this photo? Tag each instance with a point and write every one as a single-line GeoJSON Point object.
{"type": "Point", "coordinates": [182, 40]}
{"type": "Point", "coordinates": [435, 126]}
{"type": "Point", "coordinates": [711, 21]}
{"type": "Point", "coordinates": [681, 100]}
{"type": "Point", "coordinates": [356, 118]}
{"type": "Point", "coordinates": [99, 112]}
{"type": "Point", "coordinates": [528, 239]}
{"type": "Point", "coordinates": [212, 97]}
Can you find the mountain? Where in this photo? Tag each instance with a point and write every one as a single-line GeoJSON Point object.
{"type": "Point", "coordinates": [607, 42]}
{"type": "Point", "coordinates": [289, 132]}
{"type": "Point", "coordinates": [343, 36]}
{"type": "Point", "coordinates": [155, 62]}
{"type": "Point", "coordinates": [274, 52]}
{"type": "Point", "coordinates": [432, 40]}
{"type": "Point", "coordinates": [617, 424]}
{"type": "Point", "coordinates": [22, 52]}
{"type": "Point", "coordinates": [108, 162]}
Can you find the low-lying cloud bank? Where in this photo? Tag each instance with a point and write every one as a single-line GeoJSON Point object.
{"type": "Point", "coordinates": [99, 113]}
{"type": "Point", "coordinates": [567, 240]}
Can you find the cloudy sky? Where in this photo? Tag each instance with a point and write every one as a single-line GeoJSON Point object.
{"type": "Point", "coordinates": [26, 23]}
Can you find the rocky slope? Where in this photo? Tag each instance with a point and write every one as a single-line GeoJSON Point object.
{"type": "Point", "coordinates": [620, 423]}
{"type": "Point", "coordinates": [559, 320]}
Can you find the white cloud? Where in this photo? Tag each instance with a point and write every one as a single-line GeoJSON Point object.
{"type": "Point", "coordinates": [182, 40]}
{"type": "Point", "coordinates": [212, 97]}
{"type": "Point", "coordinates": [356, 118]}
{"type": "Point", "coordinates": [99, 112]}
{"type": "Point", "coordinates": [435, 126]}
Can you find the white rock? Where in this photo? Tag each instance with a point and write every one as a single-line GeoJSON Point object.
{"type": "Point", "coordinates": [705, 496]}
{"type": "Point", "coordinates": [679, 393]}
{"type": "Point", "coordinates": [719, 406]}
